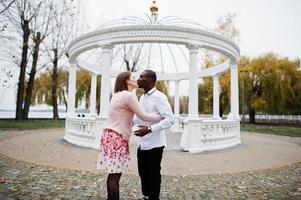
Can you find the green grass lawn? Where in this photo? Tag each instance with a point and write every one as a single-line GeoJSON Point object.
{"type": "Point", "coordinates": [269, 129]}
{"type": "Point", "coordinates": [31, 124]}
{"type": "Point", "coordinates": [50, 123]}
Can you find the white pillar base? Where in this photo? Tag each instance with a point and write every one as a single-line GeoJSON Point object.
{"type": "Point", "coordinates": [207, 135]}
{"type": "Point", "coordinates": [176, 126]}
{"type": "Point", "coordinates": [93, 115]}
{"type": "Point", "coordinates": [185, 143]}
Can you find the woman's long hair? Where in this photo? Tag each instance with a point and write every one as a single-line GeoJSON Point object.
{"type": "Point", "coordinates": [120, 83]}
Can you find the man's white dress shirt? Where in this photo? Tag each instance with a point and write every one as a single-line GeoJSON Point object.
{"type": "Point", "coordinates": [155, 102]}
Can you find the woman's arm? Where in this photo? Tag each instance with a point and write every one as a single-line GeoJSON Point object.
{"type": "Point", "coordinates": [137, 109]}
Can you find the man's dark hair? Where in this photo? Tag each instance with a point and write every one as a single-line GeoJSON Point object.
{"type": "Point", "coordinates": [151, 75]}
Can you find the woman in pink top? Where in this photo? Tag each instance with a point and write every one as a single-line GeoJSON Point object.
{"type": "Point", "coordinates": [114, 143]}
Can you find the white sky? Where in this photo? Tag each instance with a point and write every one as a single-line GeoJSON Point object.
{"type": "Point", "coordinates": [264, 25]}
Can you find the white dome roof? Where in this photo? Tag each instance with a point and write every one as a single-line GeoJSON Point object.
{"type": "Point", "coordinates": [154, 20]}
{"type": "Point", "coordinates": [161, 57]}
{"type": "Point", "coordinates": [150, 42]}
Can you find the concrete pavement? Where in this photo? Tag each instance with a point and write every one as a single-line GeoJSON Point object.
{"type": "Point", "coordinates": [38, 164]}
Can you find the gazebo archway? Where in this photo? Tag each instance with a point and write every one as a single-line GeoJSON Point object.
{"type": "Point", "coordinates": [199, 134]}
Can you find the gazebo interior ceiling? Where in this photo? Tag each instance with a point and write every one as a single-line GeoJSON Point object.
{"type": "Point", "coordinates": [160, 57]}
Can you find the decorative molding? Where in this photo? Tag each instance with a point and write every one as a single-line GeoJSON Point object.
{"type": "Point", "coordinates": [73, 65]}
{"type": "Point", "coordinates": [215, 70]}
{"type": "Point", "coordinates": [193, 48]}
{"type": "Point", "coordinates": [153, 34]}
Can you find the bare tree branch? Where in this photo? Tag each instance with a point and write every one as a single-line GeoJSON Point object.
{"type": "Point", "coordinates": [6, 6]}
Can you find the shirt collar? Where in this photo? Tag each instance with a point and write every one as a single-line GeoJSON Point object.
{"type": "Point", "coordinates": [150, 92]}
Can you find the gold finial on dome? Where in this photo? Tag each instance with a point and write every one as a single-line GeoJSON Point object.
{"type": "Point", "coordinates": [154, 8]}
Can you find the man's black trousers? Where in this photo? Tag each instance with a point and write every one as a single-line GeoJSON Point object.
{"type": "Point", "coordinates": [149, 167]}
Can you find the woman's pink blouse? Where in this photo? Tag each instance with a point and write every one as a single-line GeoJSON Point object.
{"type": "Point", "coordinates": [121, 111]}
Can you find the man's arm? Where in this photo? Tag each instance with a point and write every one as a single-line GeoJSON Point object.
{"type": "Point", "coordinates": [136, 119]}
{"type": "Point", "coordinates": [164, 109]}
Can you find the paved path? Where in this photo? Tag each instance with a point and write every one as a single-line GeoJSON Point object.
{"type": "Point", "coordinates": [64, 171]}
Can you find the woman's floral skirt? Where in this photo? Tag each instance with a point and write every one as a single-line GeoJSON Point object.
{"type": "Point", "coordinates": [113, 153]}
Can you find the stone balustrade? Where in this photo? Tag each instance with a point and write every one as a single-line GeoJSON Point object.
{"type": "Point", "coordinates": [206, 135]}
{"type": "Point", "coordinates": [84, 131]}
{"type": "Point", "coordinates": [199, 134]}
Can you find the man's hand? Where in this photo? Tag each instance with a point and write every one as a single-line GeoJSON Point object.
{"type": "Point", "coordinates": [142, 131]}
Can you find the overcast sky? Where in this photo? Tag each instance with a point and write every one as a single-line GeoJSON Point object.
{"type": "Point", "coordinates": [264, 25]}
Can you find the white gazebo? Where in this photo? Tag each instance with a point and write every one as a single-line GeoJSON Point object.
{"type": "Point", "coordinates": [199, 134]}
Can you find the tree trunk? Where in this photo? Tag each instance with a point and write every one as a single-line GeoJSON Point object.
{"type": "Point", "coordinates": [127, 64]}
{"type": "Point", "coordinates": [252, 116]}
{"type": "Point", "coordinates": [98, 85]}
{"type": "Point", "coordinates": [30, 85]}
{"type": "Point", "coordinates": [221, 109]}
{"type": "Point", "coordinates": [65, 99]}
{"type": "Point", "coordinates": [23, 64]}
{"type": "Point", "coordinates": [54, 85]}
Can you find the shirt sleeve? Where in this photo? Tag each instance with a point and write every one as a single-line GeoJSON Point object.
{"type": "Point", "coordinates": [136, 120]}
{"type": "Point", "coordinates": [163, 107]}
{"type": "Point", "coordinates": [137, 109]}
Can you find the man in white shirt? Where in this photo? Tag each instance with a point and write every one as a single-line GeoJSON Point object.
{"type": "Point", "coordinates": [153, 140]}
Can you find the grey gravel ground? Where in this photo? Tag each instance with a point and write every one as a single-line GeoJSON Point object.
{"type": "Point", "coordinates": [21, 178]}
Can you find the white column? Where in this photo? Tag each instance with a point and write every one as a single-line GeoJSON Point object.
{"type": "Point", "coordinates": [177, 99]}
{"type": "Point", "coordinates": [106, 63]}
{"type": "Point", "coordinates": [216, 93]}
{"type": "Point", "coordinates": [193, 82]}
{"type": "Point", "coordinates": [71, 90]}
{"type": "Point", "coordinates": [234, 91]}
{"type": "Point", "coordinates": [93, 94]}
{"type": "Point", "coordinates": [176, 127]}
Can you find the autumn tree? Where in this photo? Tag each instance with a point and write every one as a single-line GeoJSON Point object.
{"type": "Point", "coordinates": [20, 14]}
{"type": "Point", "coordinates": [271, 84]}
{"type": "Point", "coordinates": [63, 28]}
{"type": "Point", "coordinates": [205, 96]}
{"type": "Point", "coordinates": [83, 81]}
{"type": "Point", "coordinates": [184, 105]}
{"type": "Point", "coordinates": [43, 83]}
{"type": "Point", "coordinates": [39, 31]}
{"type": "Point", "coordinates": [225, 26]}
